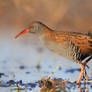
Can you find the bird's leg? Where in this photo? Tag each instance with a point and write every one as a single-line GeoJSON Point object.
{"type": "Point", "coordinates": [83, 71]}
{"type": "Point", "coordinates": [86, 75]}
{"type": "Point", "coordinates": [81, 74]}
{"type": "Point", "coordinates": [84, 80]}
{"type": "Point", "coordinates": [84, 63]}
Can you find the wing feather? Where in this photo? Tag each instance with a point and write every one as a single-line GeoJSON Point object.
{"type": "Point", "coordinates": [83, 42]}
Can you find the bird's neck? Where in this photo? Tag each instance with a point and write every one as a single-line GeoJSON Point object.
{"type": "Point", "coordinates": [44, 30]}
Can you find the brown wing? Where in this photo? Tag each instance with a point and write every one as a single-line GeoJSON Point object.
{"type": "Point", "coordinates": [83, 42]}
{"type": "Point", "coordinates": [84, 45]}
{"type": "Point", "coordinates": [58, 37]}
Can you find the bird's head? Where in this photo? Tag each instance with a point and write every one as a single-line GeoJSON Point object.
{"type": "Point", "coordinates": [34, 28]}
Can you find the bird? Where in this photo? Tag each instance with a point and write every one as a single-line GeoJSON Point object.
{"type": "Point", "coordinates": [75, 46]}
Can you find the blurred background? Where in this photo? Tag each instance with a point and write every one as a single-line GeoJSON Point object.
{"type": "Point", "coordinates": [27, 51]}
{"type": "Point", "coordinates": [58, 14]}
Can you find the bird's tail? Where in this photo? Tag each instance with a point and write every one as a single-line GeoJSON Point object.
{"type": "Point", "coordinates": [87, 66]}
{"type": "Point", "coordinates": [85, 63]}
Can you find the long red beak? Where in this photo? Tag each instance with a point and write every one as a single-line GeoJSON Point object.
{"type": "Point", "coordinates": [23, 32]}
